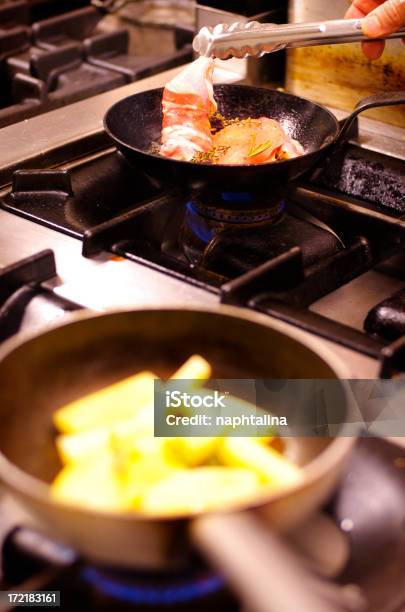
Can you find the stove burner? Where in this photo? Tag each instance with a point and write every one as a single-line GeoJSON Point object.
{"type": "Point", "coordinates": [208, 234]}
{"type": "Point", "coordinates": [238, 206]}
{"type": "Point", "coordinates": [154, 590]}
{"type": "Point", "coordinates": [200, 226]}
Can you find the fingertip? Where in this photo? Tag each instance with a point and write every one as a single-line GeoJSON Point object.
{"type": "Point", "coordinates": [372, 26]}
{"type": "Point", "coordinates": [349, 13]}
{"type": "Point", "coordinates": [373, 50]}
{"type": "Point", "coordinates": [354, 13]}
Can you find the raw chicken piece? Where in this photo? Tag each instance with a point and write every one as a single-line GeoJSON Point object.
{"type": "Point", "coordinates": [292, 148]}
{"type": "Point", "coordinates": [250, 141]}
{"type": "Point", "coordinates": [188, 102]}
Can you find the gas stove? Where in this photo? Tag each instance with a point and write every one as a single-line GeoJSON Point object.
{"type": "Point", "coordinates": [79, 228]}
{"type": "Point", "coordinates": [324, 261]}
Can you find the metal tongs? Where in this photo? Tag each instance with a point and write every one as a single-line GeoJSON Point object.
{"type": "Point", "coordinates": [255, 39]}
{"type": "Point", "coordinates": [111, 6]}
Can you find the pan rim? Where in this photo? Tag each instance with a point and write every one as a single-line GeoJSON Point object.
{"type": "Point", "coordinates": [329, 141]}
{"type": "Point", "coordinates": [338, 448]}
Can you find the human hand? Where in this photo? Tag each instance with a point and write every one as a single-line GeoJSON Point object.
{"type": "Point", "coordinates": [381, 17]}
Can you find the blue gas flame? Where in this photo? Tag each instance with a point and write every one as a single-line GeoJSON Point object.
{"type": "Point", "coordinates": [157, 595]}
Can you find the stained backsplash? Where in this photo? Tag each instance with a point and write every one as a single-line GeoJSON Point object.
{"type": "Point", "coordinates": [340, 75]}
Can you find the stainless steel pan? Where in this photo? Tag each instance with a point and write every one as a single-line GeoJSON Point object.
{"type": "Point", "coordinates": [40, 373]}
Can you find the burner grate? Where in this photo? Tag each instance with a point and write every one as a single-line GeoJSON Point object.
{"type": "Point", "coordinates": [359, 173]}
{"type": "Point", "coordinates": [18, 285]}
{"type": "Point", "coordinates": [237, 207]}
{"type": "Point", "coordinates": [66, 58]}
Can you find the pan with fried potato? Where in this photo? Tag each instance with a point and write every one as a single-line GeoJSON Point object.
{"type": "Point", "coordinates": [95, 477]}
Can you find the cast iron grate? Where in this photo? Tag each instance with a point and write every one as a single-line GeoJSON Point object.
{"type": "Point", "coordinates": [19, 283]}
{"type": "Point", "coordinates": [65, 58]}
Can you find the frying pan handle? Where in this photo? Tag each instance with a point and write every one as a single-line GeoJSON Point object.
{"type": "Point", "coordinates": [265, 573]}
{"type": "Point", "coordinates": [375, 101]}
{"type": "Point", "coordinates": [35, 545]}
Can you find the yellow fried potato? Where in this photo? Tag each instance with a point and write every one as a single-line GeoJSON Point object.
{"type": "Point", "coordinates": [92, 483]}
{"type": "Point", "coordinates": [199, 489]}
{"type": "Point", "coordinates": [137, 430]}
{"type": "Point", "coordinates": [123, 409]}
{"type": "Point", "coordinates": [116, 479]}
{"type": "Point", "coordinates": [266, 462]}
{"type": "Point", "coordinates": [138, 477]}
{"type": "Point", "coordinates": [195, 368]}
{"type": "Point", "coordinates": [80, 446]}
{"type": "Point", "coordinates": [122, 400]}
{"type": "Point", "coordinates": [237, 407]}
{"type": "Point", "coordinates": [107, 406]}
{"type": "Point", "coordinates": [193, 451]}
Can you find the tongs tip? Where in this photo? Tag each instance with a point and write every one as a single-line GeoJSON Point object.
{"type": "Point", "coordinates": [202, 42]}
{"type": "Point", "coordinates": [219, 41]}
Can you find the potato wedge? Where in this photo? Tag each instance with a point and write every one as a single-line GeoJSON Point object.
{"type": "Point", "coordinates": [107, 406]}
{"type": "Point", "coordinates": [269, 465]}
{"type": "Point", "coordinates": [92, 484]}
{"type": "Point", "coordinates": [78, 446]}
{"type": "Point", "coordinates": [195, 368]}
{"type": "Point", "coordinates": [140, 476]}
{"type": "Point", "coordinates": [193, 451]}
{"type": "Point", "coordinates": [199, 489]}
{"type": "Point", "coordinates": [122, 400]}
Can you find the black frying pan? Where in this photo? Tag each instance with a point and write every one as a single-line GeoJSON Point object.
{"type": "Point", "coordinates": [134, 124]}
